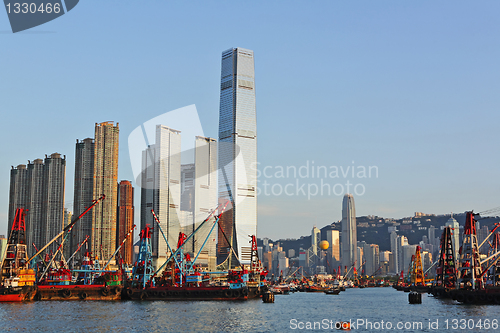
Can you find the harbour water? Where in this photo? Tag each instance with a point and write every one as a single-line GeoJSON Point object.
{"type": "Point", "coordinates": [381, 309]}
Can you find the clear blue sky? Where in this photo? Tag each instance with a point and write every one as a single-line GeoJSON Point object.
{"type": "Point", "coordinates": [408, 86]}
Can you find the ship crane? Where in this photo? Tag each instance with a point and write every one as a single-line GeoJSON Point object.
{"type": "Point", "coordinates": [68, 227]}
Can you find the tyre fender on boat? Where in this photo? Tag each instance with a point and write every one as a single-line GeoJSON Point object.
{"type": "Point", "coordinates": [83, 295]}
{"type": "Point", "coordinates": [105, 291]}
{"type": "Point", "coordinates": [471, 298]}
{"type": "Point", "coordinates": [228, 293]}
{"type": "Point", "coordinates": [129, 292]}
{"type": "Point", "coordinates": [66, 293]}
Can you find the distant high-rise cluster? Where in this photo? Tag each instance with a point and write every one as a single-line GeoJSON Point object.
{"type": "Point", "coordinates": [39, 188]}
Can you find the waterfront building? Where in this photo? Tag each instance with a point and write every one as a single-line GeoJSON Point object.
{"type": "Point", "coordinates": [394, 249]}
{"type": "Point", "coordinates": [384, 256]}
{"type": "Point", "coordinates": [265, 242]}
{"type": "Point", "coordinates": [237, 155]}
{"type": "Point", "coordinates": [3, 247]}
{"type": "Point", "coordinates": [54, 177]}
{"type": "Point", "coordinates": [333, 239]}
{"type": "Point", "coordinates": [426, 260]}
{"type": "Point", "coordinates": [83, 194]}
{"type": "Point", "coordinates": [161, 190]}
{"type": "Point", "coordinates": [401, 242]}
{"type": "Point", "coordinates": [372, 258]}
{"type": "Point", "coordinates": [302, 257]}
{"type": "Point", "coordinates": [315, 239]}
{"type": "Point", "coordinates": [18, 195]}
{"type": "Point", "coordinates": [482, 233]}
{"type": "Point", "coordinates": [125, 220]}
{"type": "Point", "coordinates": [205, 195]}
{"type": "Point", "coordinates": [67, 216]}
{"type": "Point", "coordinates": [104, 222]}
{"type": "Point", "coordinates": [359, 253]}
{"type": "Point", "coordinates": [199, 199]}
{"type": "Point", "coordinates": [349, 230]}
{"type": "Point", "coordinates": [455, 234]}
{"type": "Point", "coordinates": [408, 251]}
{"type": "Point", "coordinates": [39, 188]}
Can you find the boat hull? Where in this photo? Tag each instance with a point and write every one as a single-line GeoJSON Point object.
{"type": "Point", "coordinates": [186, 294]}
{"type": "Point", "coordinates": [78, 292]}
{"type": "Point", "coordinates": [17, 294]}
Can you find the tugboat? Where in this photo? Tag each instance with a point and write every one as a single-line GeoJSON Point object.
{"type": "Point", "coordinates": [17, 279]}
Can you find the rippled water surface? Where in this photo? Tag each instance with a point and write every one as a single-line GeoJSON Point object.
{"type": "Point", "coordinates": [288, 313]}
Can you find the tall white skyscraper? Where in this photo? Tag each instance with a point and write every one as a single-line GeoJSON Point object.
{"type": "Point", "coordinates": [455, 235]}
{"type": "Point", "coordinates": [205, 198]}
{"type": "Point", "coordinates": [394, 249]}
{"type": "Point", "coordinates": [401, 241]}
{"type": "Point", "coordinates": [349, 237]}
{"type": "Point", "coordinates": [237, 154]}
{"type": "Point", "coordinates": [315, 239]}
{"type": "Point", "coordinates": [161, 165]}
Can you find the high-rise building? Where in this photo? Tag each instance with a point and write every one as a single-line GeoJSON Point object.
{"type": "Point", "coordinates": [67, 220]}
{"type": "Point", "coordinates": [83, 194]}
{"type": "Point", "coordinates": [237, 154]}
{"type": "Point", "coordinates": [39, 188]}
{"type": "Point", "coordinates": [349, 236]}
{"type": "Point", "coordinates": [394, 249]}
{"type": "Point", "coordinates": [19, 194]}
{"type": "Point", "coordinates": [482, 234]}
{"type": "Point", "coordinates": [104, 221]}
{"type": "Point", "coordinates": [125, 219]}
{"type": "Point", "coordinates": [333, 239]}
{"type": "Point", "coordinates": [3, 247]}
{"type": "Point", "coordinates": [53, 198]}
{"type": "Point", "coordinates": [371, 257]}
{"type": "Point", "coordinates": [455, 234]}
{"type": "Point", "coordinates": [161, 190]}
{"type": "Point", "coordinates": [34, 216]}
{"type": "Point", "coordinates": [199, 199]}
{"type": "Point", "coordinates": [205, 195]}
{"type": "Point", "coordinates": [401, 242]}
{"type": "Point", "coordinates": [408, 251]}
{"type": "Point", "coordinates": [315, 239]}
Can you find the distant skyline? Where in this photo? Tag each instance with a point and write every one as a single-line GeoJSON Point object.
{"type": "Point", "coordinates": [408, 87]}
